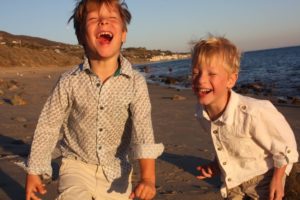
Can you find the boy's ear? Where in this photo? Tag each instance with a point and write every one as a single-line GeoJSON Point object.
{"type": "Point", "coordinates": [124, 34]}
{"type": "Point", "coordinates": [232, 80]}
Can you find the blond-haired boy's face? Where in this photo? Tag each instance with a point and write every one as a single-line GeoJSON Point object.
{"type": "Point", "coordinates": [104, 32]}
{"type": "Point", "coordinates": [212, 82]}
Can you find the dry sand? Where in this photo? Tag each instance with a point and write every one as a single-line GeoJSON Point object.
{"type": "Point", "coordinates": [186, 144]}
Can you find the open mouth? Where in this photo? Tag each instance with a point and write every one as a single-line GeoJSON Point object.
{"type": "Point", "coordinates": [105, 37]}
{"type": "Point", "coordinates": [204, 91]}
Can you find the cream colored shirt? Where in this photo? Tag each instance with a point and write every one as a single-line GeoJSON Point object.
{"type": "Point", "coordinates": [250, 138]}
{"type": "Point", "coordinates": [102, 123]}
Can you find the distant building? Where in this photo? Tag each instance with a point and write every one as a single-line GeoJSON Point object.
{"type": "Point", "coordinates": [169, 57]}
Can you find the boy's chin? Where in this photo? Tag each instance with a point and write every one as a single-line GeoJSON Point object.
{"type": "Point", "coordinates": [202, 102]}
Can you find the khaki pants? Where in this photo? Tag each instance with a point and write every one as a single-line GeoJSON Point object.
{"type": "Point", "coordinates": [255, 188]}
{"type": "Point", "coordinates": [79, 180]}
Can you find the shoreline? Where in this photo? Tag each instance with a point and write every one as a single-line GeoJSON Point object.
{"type": "Point", "coordinates": [186, 144]}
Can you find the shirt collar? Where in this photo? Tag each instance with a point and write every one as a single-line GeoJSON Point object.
{"type": "Point", "coordinates": [228, 116]}
{"type": "Point", "coordinates": [125, 68]}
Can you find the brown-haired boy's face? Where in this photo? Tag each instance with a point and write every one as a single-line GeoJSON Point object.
{"type": "Point", "coordinates": [104, 31]}
{"type": "Point", "coordinates": [211, 82]}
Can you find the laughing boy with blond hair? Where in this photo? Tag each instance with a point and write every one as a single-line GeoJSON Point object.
{"type": "Point", "coordinates": [255, 147]}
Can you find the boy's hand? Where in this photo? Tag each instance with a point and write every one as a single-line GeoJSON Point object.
{"type": "Point", "coordinates": [277, 186]}
{"type": "Point", "coordinates": [276, 190]}
{"type": "Point", "coordinates": [208, 171]}
{"type": "Point", "coordinates": [33, 185]}
{"type": "Point", "coordinates": [144, 190]}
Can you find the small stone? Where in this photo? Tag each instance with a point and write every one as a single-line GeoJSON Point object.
{"type": "Point", "coordinates": [296, 101]}
{"type": "Point", "coordinates": [281, 100]}
{"type": "Point", "coordinates": [204, 188]}
{"type": "Point", "coordinates": [19, 119]}
{"type": "Point", "coordinates": [178, 97]}
{"type": "Point", "coordinates": [13, 87]}
{"type": "Point", "coordinates": [17, 100]}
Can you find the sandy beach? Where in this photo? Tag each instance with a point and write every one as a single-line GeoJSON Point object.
{"type": "Point", "coordinates": [25, 90]}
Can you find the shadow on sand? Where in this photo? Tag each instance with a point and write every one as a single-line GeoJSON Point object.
{"type": "Point", "coordinates": [189, 164]}
{"type": "Point", "coordinates": [14, 147]}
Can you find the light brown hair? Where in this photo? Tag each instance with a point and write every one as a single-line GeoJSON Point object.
{"type": "Point", "coordinates": [206, 49]}
{"type": "Point", "coordinates": [81, 10]}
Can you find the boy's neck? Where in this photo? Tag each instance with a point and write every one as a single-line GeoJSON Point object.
{"type": "Point", "coordinates": [104, 68]}
{"type": "Point", "coordinates": [216, 111]}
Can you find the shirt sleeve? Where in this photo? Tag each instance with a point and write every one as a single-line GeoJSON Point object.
{"type": "Point", "coordinates": [143, 144]}
{"type": "Point", "coordinates": [273, 132]}
{"type": "Point", "coordinates": [47, 131]}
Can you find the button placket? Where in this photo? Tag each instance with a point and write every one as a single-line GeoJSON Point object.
{"type": "Point", "coordinates": [220, 151]}
{"type": "Point", "coordinates": [215, 137]}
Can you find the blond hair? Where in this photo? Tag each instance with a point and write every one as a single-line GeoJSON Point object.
{"type": "Point", "coordinates": [207, 49]}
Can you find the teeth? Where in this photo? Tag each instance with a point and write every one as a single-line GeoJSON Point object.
{"type": "Point", "coordinates": [205, 90]}
{"type": "Point", "coordinates": [105, 34]}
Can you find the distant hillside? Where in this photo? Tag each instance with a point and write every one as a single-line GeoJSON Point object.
{"type": "Point", "coordinates": [27, 51]}
{"type": "Point", "coordinates": [20, 50]}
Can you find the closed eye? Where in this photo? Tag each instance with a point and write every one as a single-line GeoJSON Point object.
{"type": "Point", "coordinates": [91, 19]}
{"type": "Point", "coordinates": [113, 19]}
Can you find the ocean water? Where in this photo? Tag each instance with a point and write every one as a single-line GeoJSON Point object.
{"type": "Point", "coordinates": [278, 69]}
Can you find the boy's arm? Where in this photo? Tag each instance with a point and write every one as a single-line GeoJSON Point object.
{"type": "Point", "coordinates": [277, 186]}
{"type": "Point", "coordinates": [272, 131]}
{"type": "Point", "coordinates": [47, 131]}
{"type": "Point", "coordinates": [146, 187]}
{"type": "Point", "coordinates": [142, 141]}
{"type": "Point", "coordinates": [143, 144]}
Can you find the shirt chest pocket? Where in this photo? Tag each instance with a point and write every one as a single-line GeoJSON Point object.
{"type": "Point", "coordinates": [238, 141]}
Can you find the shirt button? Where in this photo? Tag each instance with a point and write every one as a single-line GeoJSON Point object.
{"type": "Point", "coordinates": [219, 148]}
{"type": "Point", "coordinates": [100, 129]}
{"type": "Point", "coordinates": [215, 131]}
{"type": "Point", "coordinates": [99, 148]}
{"type": "Point", "coordinates": [229, 179]}
{"type": "Point", "coordinates": [98, 84]}
{"type": "Point", "coordinates": [224, 163]}
{"type": "Point", "coordinates": [244, 107]}
{"type": "Point", "coordinates": [288, 151]}
{"type": "Point", "coordinates": [101, 108]}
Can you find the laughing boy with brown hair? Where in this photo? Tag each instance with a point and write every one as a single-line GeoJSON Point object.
{"type": "Point", "coordinates": [103, 108]}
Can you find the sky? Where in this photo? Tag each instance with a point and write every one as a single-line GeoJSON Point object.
{"type": "Point", "coordinates": [168, 24]}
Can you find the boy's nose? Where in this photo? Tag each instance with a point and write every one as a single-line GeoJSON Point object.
{"type": "Point", "coordinates": [202, 78]}
{"type": "Point", "coordinates": [103, 21]}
